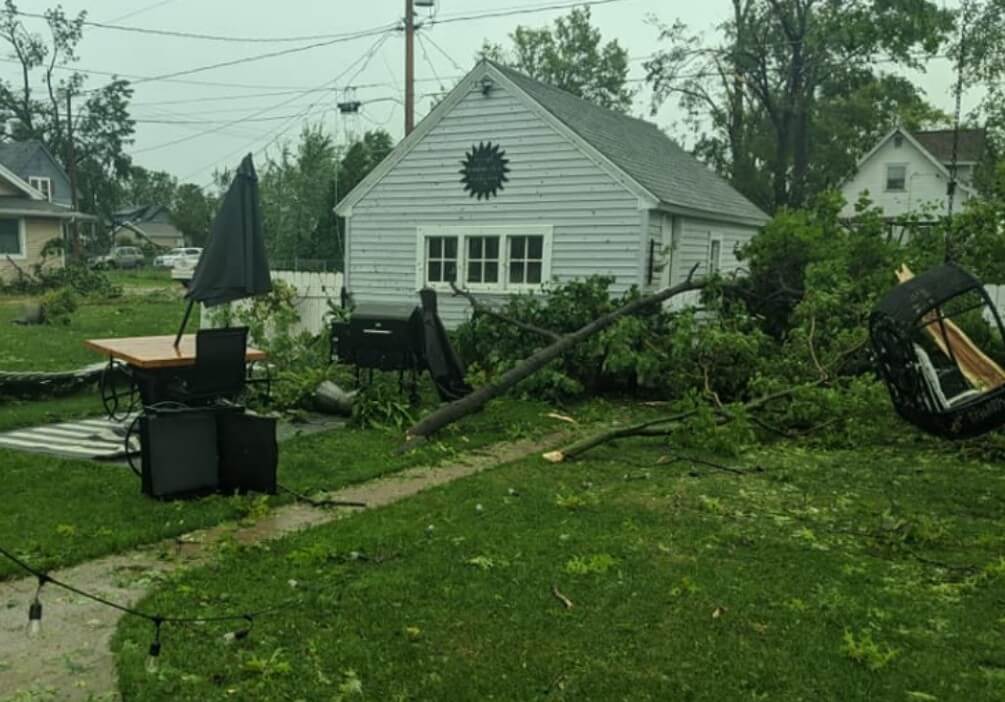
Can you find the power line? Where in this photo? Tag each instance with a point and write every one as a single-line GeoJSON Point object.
{"type": "Point", "coordinates": [196, 35]}
{"type": "Point", "coordinates": [138, 78]}
{"type": "Point", "coordinates": [442, 51]}
{"type": "Point", "coordinates": [364, 59]}
{"type": "Point", "coordinates": [517, 11]}
{"type": "Point", "coordinates": [140, 11]}
{"type": "Point", "coordinates": [272, 54]}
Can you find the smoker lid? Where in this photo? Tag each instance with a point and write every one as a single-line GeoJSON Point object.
{"type": "Point", "coordinates": [382, 311]}
{"type": "Point", "coordinates": [910, 300]}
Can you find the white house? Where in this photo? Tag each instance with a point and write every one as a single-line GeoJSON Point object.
{"type": "Point", "coordinates": [510, 183]}
{"type": "Point", "coordinates": [907, 173]}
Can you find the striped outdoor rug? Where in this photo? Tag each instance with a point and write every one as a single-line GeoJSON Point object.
{"type": "Point", "coordinates": [102, 439]}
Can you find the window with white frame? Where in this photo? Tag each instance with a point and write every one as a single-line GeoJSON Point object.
{"type": "Point", "coordinates": [43, 185]}
{"type": "Point", "coordinates": [495, 258]}
{"type": "Point", "coordinates": [441, 259]}
{"type": "Point", "coordinates": [896, 177]}
{"type": "Point", "coordinates": [11, 239]}
{"type": "Point", "coordinates": [714, 255]}
{"type": "Point", "coordinates": [482, 262]}
{"type": "Point", "coordinates": [526, 260]}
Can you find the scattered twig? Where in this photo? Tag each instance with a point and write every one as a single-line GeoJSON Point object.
{"type": "Point", "coordinates": [813, 350]}
{"type": "Point", "coordinates": [561, 598]}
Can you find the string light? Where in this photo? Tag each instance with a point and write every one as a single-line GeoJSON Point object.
{"type": "Point", "coordinates": [153, 657]}
{"type": "Point", "coordinates": [34, 628]}
{"type": "Point", "coordinates": [240, 634]}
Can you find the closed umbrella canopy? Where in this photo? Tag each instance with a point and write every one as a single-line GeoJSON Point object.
{"type": "Point", "coordinates": [234, 264]}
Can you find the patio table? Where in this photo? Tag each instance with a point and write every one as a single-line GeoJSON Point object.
{"type": "Point", "coordinates": [154, 362]}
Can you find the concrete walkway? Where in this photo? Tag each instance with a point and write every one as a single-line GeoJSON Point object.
{"type": "Point", "coordinates": [72, 659]}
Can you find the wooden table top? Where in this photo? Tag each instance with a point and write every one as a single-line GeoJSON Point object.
{"type": "Point", "coordinates": [156, 351]}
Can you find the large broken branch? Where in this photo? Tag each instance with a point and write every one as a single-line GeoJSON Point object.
{"type": "Point", "coordinates": [662, 425]}
{"type": "Point", "coordinates": [488, 311]}
{"type": "Point", "coordinates": [447, 414]}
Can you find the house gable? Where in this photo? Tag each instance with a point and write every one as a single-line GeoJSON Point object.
{"type": "Point", "coordinates": [593, 222]}
{"type": "Point", "coordinates": [925, 178]}
{"type": "Point", "coordinates": [33, 160]}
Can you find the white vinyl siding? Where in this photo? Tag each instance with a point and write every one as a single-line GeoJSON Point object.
{"type": "Point", "coordinates": [594, 220]}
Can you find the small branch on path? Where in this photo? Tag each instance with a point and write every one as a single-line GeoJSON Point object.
{"type": "Point", "coordinates": [561, 598]}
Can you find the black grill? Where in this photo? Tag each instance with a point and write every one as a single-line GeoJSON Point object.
{"type": "Point", "coordinates": [380, 337]}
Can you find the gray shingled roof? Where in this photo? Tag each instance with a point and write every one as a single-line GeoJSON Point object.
{"type": "Point", "coordinates": [25, 206]}
{"type": "Point", "coordinates": [643, 151]}
{"type": "Point", "coordinates": [939, 143]}
{"type": "Point", "coordinates": [16, 154]}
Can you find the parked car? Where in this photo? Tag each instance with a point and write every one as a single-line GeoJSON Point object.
{"type": "Point", "coordinates": [120, 257]}
{"type": "Point", "coordinates": [184, 267]}
{"type": "Point", "coordinates": [169, 259]}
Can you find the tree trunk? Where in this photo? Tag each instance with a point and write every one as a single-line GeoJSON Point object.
{"type": "Point", "coordinates": [450, 413]}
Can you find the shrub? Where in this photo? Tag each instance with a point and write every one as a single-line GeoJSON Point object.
{"type": "Point", "coordinates": [58, 305]}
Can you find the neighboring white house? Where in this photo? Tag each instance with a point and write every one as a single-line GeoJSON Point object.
{"type": "Point", "coordinates": [510, 184]}
{"type": "Point", "coordinates": [907, 173]}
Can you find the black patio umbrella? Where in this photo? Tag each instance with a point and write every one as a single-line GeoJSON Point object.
{"type": "Point", "coordinates": [234, 264]}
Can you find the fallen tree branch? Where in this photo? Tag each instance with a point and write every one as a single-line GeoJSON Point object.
{"type": "Point", "coordinates": [658, 427]}
{"type": "Point", "coordinates": [449, 413]}
{"type": "Point", "coordinates": [488, 311]}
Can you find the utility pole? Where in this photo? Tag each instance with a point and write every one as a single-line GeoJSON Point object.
{"type": "Point", "coordinates": [409, 66]}
{"type": "Point", "coordinates": [71, 166]}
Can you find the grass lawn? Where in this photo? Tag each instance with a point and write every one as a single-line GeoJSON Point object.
{"type": "Point", "coordinates": [146, 277]}
{"type": "Point", "coordinates": [60, 512]}
{"type": "Point", "coordinates": [52, 347]}
{"type": "Point", "coordinates": [852, 575]}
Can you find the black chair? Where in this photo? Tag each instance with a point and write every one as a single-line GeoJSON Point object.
{"type": "Point", "coordinates": [220, 368]}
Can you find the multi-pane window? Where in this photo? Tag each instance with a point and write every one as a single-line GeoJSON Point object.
{"type": "Point", "coordinates": [43, 185]}
{"type": "Point", "coordinates": [488, 258]}
{"type": "Point", "coordinates": [714, 256]}
{"type": "Point", "coordinates": [896, 177]}
{"type": "Point", "coordinates": [10, 237]}
{"type": "Point", "coordinates": [483, 260]}
{"type": "Point", "coordinates": [526, 260]}
{"type": "Point", "coordinates": [441, 259]}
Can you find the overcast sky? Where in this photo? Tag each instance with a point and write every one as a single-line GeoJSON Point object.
{"type": "Point", "coordinates": [268, 99]}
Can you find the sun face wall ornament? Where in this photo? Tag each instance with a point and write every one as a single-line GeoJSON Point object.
{"type": "Point", "coordinates": [484, 170]}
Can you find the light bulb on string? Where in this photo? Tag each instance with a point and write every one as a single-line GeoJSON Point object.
{"type": "Point", "coordinates": [153, 662]}
{"type": "Point", "coordinates": [34, 629]}
{"type": "Point", "coordinates": [240, 634]}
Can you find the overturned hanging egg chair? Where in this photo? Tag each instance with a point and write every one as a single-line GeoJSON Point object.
{"type": "Point", "coordinates": [939, 379]}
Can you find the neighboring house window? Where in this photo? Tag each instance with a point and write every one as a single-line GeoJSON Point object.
{"type": "Point", "coordinates": [896, 178]}
{"type": "Point", "coordinates": [714, 255]}
{"type": "Point", "coordinates": [43, 185]}
{"type": "Point", "coordinates": [486, 258]}
{"type": "Point", "coordinates": [483, 260]}
{"type": "Point", "coordinates": [441, 259]}
{"type": "Point", "coordinates": [11, 238]}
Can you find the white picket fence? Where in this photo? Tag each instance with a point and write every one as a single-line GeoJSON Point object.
{"type": "Point", "coordinates": [314, 290]}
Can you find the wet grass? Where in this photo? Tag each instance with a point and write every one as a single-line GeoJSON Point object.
{"type": "Point", "coordinates": [852, 575]}
{"type": "Point", "coordinates": [59, 347]}
{"type": "Point", "coordinates": [60, 512]}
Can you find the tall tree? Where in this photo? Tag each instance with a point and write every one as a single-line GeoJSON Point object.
{"type": "Point", "coordinates": [570, 57]}
{"type": "Point", "coordinates": [192, 212]}
{"type": "Point", "coordinates": [794, 87]}
{"type": "Point", "coordinates": [34, 106]}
